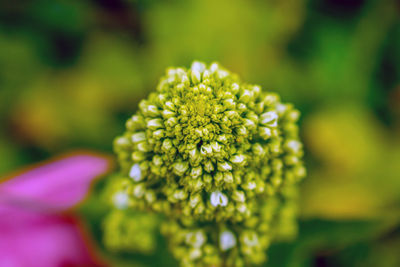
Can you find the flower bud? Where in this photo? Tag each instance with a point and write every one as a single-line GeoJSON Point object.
{"type": "Point", "coordinates": [211, 152]}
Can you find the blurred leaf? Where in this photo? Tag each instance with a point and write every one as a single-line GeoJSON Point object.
{"type": "Point", "coordinates": [323, 237]}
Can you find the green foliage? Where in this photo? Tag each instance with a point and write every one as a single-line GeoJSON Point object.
{"type": "Point", "coordinates": [72, 72]}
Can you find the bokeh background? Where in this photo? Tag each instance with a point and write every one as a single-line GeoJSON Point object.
{"type": "Point", "coordinates": [72, 72]}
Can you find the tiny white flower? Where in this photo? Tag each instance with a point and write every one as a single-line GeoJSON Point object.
{"type": "Point", "coordinates": [251, 185]}
{"type": "Point", "coordinates": [170, 105]}
{"type": "Point", "coordinates": [239, 196]}
{"type": "Point", "coordinates": [196, 76]}
{"type": "Point", "coordinates": [196, 172]}
{"type": "Point", "coordinates": [206, 150]}
{"type": "Point", "coordinates": [200, 67]}
{"type": "Point", "coordinates": [256, 89]}
{"type": "Point", "coordinates": [242, 130]}
{"type": "Point", "coordinates": [241, 208]}
{"type": "Point", "coordinates": [196, 239]}
{"type": "Point", "coordinates": [237, 159]}
{"type": "Point", "coordinates": [281, 108]}
{"type": "Point", "coordinates": [246, 96]}
{"type": "Point", "coordinates": [218, 199]}
{"type": "Point", "coordinates": [138, 191]}
{"type": "Point", "coordinates": [265, 132]}
{"type": "Point", "coordinates": [154, 124]}
{"type": "Point", "coordinates": [171, 79]}
{"type": "Point", "coordinates": [194, 200]}
{"type": "Point", "coordinates": [180, 72]}
{"type": "Point", "coordinates": [122, 141]}
{"type": "Point", "coordinates": [193, 154]}
{"type": "Point", "coordinates": [180, 168]}
{"type": "Point", "coordinates": [294, 146]}
{"type": "Point", "coordinates": [184, 79]}
{"type": "Point", "coordinates": [216, 147]}
{"type": "Point", "coordinates": [269, 118]}
{"type": "Point", "coordinates": [235, 87]}
{"type": "Point", "coordinates": [228, 177]}
{"type": "Point", "coordinates": [138, 137]}
{"type": "Point", "coordinates": [121, 200]}
{"type": "Point", "coordinates": [224, 166]}
{"type": "Point", "coordinates": [195, 253]}
{"type": "Point", "coordinates": [179, 194]}
{"type": "Point", "coordinates": [206, 74]}
{"type": "Point", "coordinates": [152, 110]}
{"type": "Point", "coordinates": [214, 67]}
{"type": "Point", "coordinates": [222, 74]}
{"type": "Point", "coordinates": [135, 173]}
{"type": "Point", "coordinates": [171, 71]}
{"type": "Point", "coordinates": [227, 240]}
{"type": "Point", "coordinates": [229, 103]}
{"type": "Point", "coordinates": [168, 113]}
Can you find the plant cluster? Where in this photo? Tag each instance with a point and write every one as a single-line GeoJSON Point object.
{"type": "Point", "coordinates": [219, 158]}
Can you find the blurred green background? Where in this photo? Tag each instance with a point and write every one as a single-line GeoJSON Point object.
{"type": "Point", "coordinates": [72, 72]}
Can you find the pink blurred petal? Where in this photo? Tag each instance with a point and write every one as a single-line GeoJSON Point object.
{"type": "Point", "coordinates": [45, 241]}
{"type": "Point", "coordinates": [32, 230]}
{"type": "Point", "coordinates": [58, 184]}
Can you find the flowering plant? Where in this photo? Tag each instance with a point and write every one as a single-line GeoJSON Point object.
{"type": "Point", "coordinates": [219, 159]}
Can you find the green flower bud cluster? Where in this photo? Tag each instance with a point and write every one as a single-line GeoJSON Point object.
{"type": "Point", "coordinates": [205, 144]}
{"type": "Point", "coordinates": [127, 230]}
{"type": "Point", "coordinates": [224, 244]}
{"type": "Point", "coordinates": [130, 232]}
{"type": "Point", "coordinates": [211, 153]}
{"type": "Point", "coordinates": [232, 244]}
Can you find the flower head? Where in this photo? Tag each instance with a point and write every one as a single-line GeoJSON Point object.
{"type": "Point", "coordinates": [206, 144]}
{"type": "Point", "coordinates": [219, 157]}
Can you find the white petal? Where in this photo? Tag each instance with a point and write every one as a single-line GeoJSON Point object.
{"type": "Point", "coordinates": [200, 67]}
{"type": "Point", "coordinates": [206, 150]}
{"type": "Point", "coordinates": [171, 71]}
{"type": "Point", "coordinates": [251, 185]}
{"type": "Point", "coordinates": [265, 132]}
{"type": "Point", "coordinates": [181, 167]}
{"type": "Point", "coordinates": [154, 124]}
{"type": "Point", "coordinates": [152, 110]}
{"type": "Point", "coordinates": [196, 239]}
{"type": "Point", "coordinates": [122, 141]}
{"type": "Point", "coordinates": [270, 118]}
{"type": "Point", "coordinates": [135, 173]}
{"type": "Point", "coordinates": [224, 166]}
{"type": "Point", "coordinates": [239, 196]}
{"type": "Point", "coordinates": [121, 200]}
{"type": "Point", "coordinates": [235, 87]}
{"type": "Point", "coordinates": [237, 159]}
{"type": "Point", "coordinates": [138, 191]}
{"type": "Point", "coordinates": [196, 76]}
{"type": "Point", "coordinates": [206, 74]}
{"type": "Point", "coordinates": [227, 240]}
{"type": "Point", "coordinates": [138, 137]}
{"type": "Point", "coordinates": [281, 108]}
{"type": "Point", "coordinates": [216, 147]}
{"type": "Point", "coordinates": [294, 146]}
{"type": "Point", "coordinates": [214, 67]}
{"type": "Point", "coordinates": [218, 199]}
{"type": "Point", "coordinates": [222, 74]}
{"type": "Point", "coordinates": [195, 253]}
